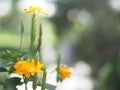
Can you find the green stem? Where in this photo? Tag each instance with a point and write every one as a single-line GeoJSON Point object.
{"type": "Point", "coordinates": [44, 80]}
{"type": "Point", "coordinates": [37, 57]}
{"type": "Point", "coordinates": [35, 81]}
{"type": "Point", "coordinates": [21, 37]}
{"type": "Point", "coordinates": [39, 42]}
{"type": "Point", "coordinates": [33, 32]}
{"type": "Point", "coordinates": [26, 81]}
{"type": "Point", "coordinates": [25, 86]}
{"type": "Point", "coordinates": [58, 68]}
{"type": "Point", "coordinates": [22, 31]}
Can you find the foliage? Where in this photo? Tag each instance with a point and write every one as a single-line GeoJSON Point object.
{"type": "Point", "coordinates": [98, 44]}
{"type": "Point", "coordinates": [26, 63]}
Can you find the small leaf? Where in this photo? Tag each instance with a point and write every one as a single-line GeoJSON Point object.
{"type": "Point", "coordinates": [2, 69]}
{"type": "Point", "coordinates": [11, 69]}
{"type": "Point", "coordinates": [5, 63]}
{"type": "Point", "coordinates": [3, 76]}
{"type": "Point", "coordinates": [10, 83]}
{"type": "Point", "coordinates": [16, 81]}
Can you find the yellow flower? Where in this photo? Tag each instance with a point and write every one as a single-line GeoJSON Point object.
{"type": "Point", "coordinates": [36, 67]}
{"type": "Point", "coordinates": [34, 10]}
{"type": "Point", "coordinates": [64, 73]}
{"type": "Point", "coordinates": [27, 68]}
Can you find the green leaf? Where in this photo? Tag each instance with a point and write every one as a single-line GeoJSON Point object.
{"type": "Point", "coordinates": [11, 69]}
{"type": "Point", "coordinates": [5, 63]}
{"type": "Point", "coordinates": [3, 76]}
{"type": "Point", "coordinates": [12, 55]}
{"type": "Point", "coordinates": [11, 83]}
{"type": "Point", "coordinates": [2, 69]}
{"type": "Point", "coordinates": [16, 81]}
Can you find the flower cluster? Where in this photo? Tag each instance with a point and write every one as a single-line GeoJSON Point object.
{"type": "Point", "coordinates": [64, 73]}
{"type": "Point", "coordinates": [30, 68]}
{"type": "Point", "coordinates": [27, 68]}
{"type": "Point", "coordinates": [34, 10]}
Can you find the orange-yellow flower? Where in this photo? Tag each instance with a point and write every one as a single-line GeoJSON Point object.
{"type": "Point", "coordinates": [34, 10]}
{"type": "Point", "coordinates": [64, 73]}
{"type": "Point", "coordinates": [36, 67]}
{"type": "Point", "coordinates": [27, 68]}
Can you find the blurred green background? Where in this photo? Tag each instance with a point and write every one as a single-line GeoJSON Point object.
{"type": "Point", "coordinates": [87, 30]}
